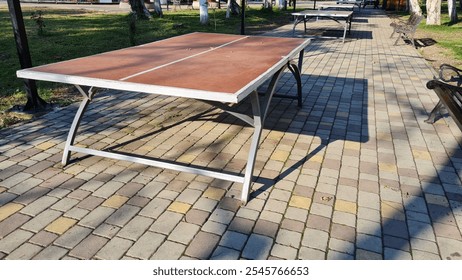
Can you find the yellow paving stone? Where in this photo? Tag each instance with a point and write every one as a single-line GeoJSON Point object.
{"type": "Point", "coordinates": [187, 158]}
{"type": "Point", "coordinates": [300, 202]}
{"type": "Point", "coordinates": [179, 207]}
{"type": "Point", "coordinates": [214, 193]}
{"type": "Point", "coordinates": [74, 169]}
{"type": "Point", "coordinates": [45, 145]}
{"type": "Point", "coordinates": [352, 145]}
{"type": "Point", "coordinates": [9, 209]}
{"type": "Point", "coordinates": [61, 225]}
{"type": "Point", "coordinates": [392, 210]}
{"type": "Point", "coordinates": [387, 167]}
{"type": "Point", "coordinates": [275, 135]}
{"type": "Point", "coordinates": [115, 201]}
{"type": "Point", "coordinates": [280, 155]}
{"type": "Point", "coordinates": [424, 155]}
{"type": "Point", "coordinates": [317, 158]}
{"type": "Point", "coordinates": [345, 206]}
{"type": "Point", "coordinates": [2, 189]}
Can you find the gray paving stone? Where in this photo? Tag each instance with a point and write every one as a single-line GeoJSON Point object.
{"type": "Point", "coordinates": [307, 253]}
{"type": "Point", "coordinates": [224, 253]}
{"type": "Point", "coordinates": [135, 228]}
{"type": "Point", "coordinates": [122, 215]}
{"type": "Point", "coordinates": [14, 240]}
{"type": "Point", "coordinates": [450, 249]}
{"type": "Point", "coordinates": [335, 255]}
{"type": "Point", "coordinates": [51, 253]}
{"type": "Point", "coordinates": [258, 247]}
{"type": "Point", "coordinates": [39, 205]}
{"type": "Point", "coordinates": [316, 239]}
{"type": "Point", "coordinates": [289, 238]}
{"type": "Point", "coordinates": [183, 233]}
{"type": "Point", "coordinates": [114, 249]}
{"type": "Point", "coordinates": [96, 217]}
{"type": "Point", "coordinates": [88, 247]}
{"type": "Point", "coordinates": [166, 222]}
{"type": "Point", "coordinates": [202, 245]}
{"type": "Point", "coordinates": [72, 237]}
{"type": "Point", "coordinates": [155, 208]}
{"type": "Point", "coordinates": [369, 243]}
{"type": "Point", "coordinates": [41, 221]}
{"type": "Point", "coordinates": [169, 251]}
{"type": "Point", "coordinates": [25, 252]}
{"type": "Point", "coordinates": [284, 252]}
{"type": "Point", "coordinates": [146, 245]}
{"type": "Point", "coordinates": [233, 240]}
{"type": "Point", "coordinates": [394, 254]}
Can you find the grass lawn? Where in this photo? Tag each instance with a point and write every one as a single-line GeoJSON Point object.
{"type": "Point", "coordinates": [75, 33]}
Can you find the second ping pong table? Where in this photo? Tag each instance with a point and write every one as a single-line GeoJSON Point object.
{"type": "Point", "coordinates": [337, 16]}
{"type": "Point", "coordinates": [244, 63]}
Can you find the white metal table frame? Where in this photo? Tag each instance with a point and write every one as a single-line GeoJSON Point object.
{"type": "Point", "coordinates": [338, 7]}
{"type": "Point", "coordinates": [259, 103]}
{"type": "Point", "coordinates": [358, 3]}
{"type": "Point", "coordinates": [336, 16]}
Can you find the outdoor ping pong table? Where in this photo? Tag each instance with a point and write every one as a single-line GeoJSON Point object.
{"type": "Point", "coordinates": [337, 16]}
{"type": "Point", "coordinates": [244, 63]}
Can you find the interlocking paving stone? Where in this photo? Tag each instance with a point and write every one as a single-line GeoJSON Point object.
{"type": "Point", "coordinates": [114, 249]}
{"type": "Point", "coordinates": [72, 237]}
{"type": "Point", "coordinates": [39, 222]}
{"type": "Point", "coordinates": [51, 253]}
{"type": "Point", "coordinates": [258, 247]}
{"type": "Point", "coordinates": [202, 245]}
{"type": "Point", "coordinates": [14, 240]}
{"type": "Point", "coordinates": [223, 253]}
{"type": "Point", "coordinates": [88, 247]}
{"type": "Point", "coordinates": [169, 251]}
{"type": "Point", "coordinates": [146, 245]}
{"type": "Point", "coordinates": [25, 252]}
{"type": "Point", "coordinates": [283, 252]}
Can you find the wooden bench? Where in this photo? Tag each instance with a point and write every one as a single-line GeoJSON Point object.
{"type": "Point", "coordinates": [406, 28]}
{"type": "Point", "coordinates": [448, 87]}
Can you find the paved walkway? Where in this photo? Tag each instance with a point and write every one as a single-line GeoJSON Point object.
{"type": "Point", "coordinates": [355, 174]}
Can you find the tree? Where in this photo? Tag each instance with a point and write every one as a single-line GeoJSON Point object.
{"type": "Point", "coordinates": [34, 102]}
{"type": "Point", "coordinates": [452, 9]}
{"type": "Point", "coordinates": [203, 11]}
{"type": "Point", "coordinates": [414, 7]}
{"type": "Point", "coordinates": [232, 8]}
{"type": "Point", "coordinates": [433, 12]}
{"type": "Point", "coordinates": [139, 9]}
{"type": "Point", "coordinates": [158, 8]}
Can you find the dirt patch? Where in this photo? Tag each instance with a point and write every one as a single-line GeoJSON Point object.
{"type": "Point", "coordinates": [427, 45]}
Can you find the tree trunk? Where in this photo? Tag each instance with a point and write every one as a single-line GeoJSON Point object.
{"type": "Point", "coordinates": [267, 4]}
{"type": "Point", "coordinates": [452, 9]}
{"type": "Point", "coordinates": [204, 11]}
{"type": "Point", "coordinates": [158, 8]}
{"type": "Point", "coordinates": [282, 4]}
{"type": "Point", "coordinates": [34, 102]}
{"type": "Point", "coordinates": [414, 7]}
{"type": "Point", "coordinates": [433, 12]}
{"type": "Point", "coordinates": [139, 9]}
{"type": "Point", "coordinates": [232, 8]}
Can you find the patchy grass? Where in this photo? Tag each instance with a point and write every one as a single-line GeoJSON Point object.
{"type": "Point", "coordinates": [65, 34]}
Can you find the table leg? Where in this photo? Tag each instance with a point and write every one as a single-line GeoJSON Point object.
{"type": "Point", "coordinates": [260, 111]}
{"type": "Point", "coordinates": [87, 96]}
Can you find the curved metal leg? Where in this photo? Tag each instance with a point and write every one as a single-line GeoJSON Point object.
{"type": "Point", "coordinates": [296, 72]}
{"type": "Point", "coordinates": [260, 111]}
{"type": "Point", "coordinates": [76, 122]}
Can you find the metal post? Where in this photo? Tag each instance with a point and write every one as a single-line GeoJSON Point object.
{"type": "Point", "coordinates": [242, 17]}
